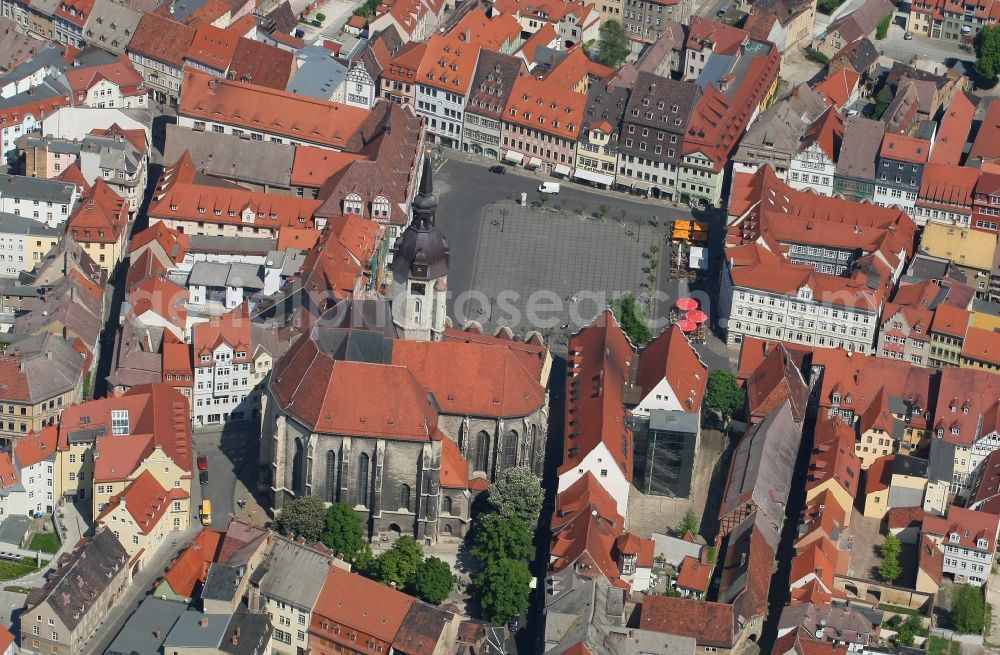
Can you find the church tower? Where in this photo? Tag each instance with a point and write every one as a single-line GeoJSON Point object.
{"type": "Point", "coordinates": [420, 270]}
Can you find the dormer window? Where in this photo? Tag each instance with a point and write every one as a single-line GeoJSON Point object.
{"type": "Point", "coordinates": [982, 544]}
{"type": "Point", "coordinates": [955, 429]}
{"type": "Point", "coordinates": [836, 398]}
{"type": "Point", "coordinates": [953, 537]}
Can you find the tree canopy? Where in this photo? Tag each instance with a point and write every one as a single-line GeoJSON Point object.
{"type": "Point", "coordinates": [987, 45]}
{"type": "Point", "coordinates": [890, 568]}
{"type": "Point", "coordinates": [303, 517]}
{"type": "Point", "coordinates": [689, 523]}
{"type": "Point", "coordinates": [723, 394]}
{"type": "Point", "coordinates": [518, 493]}
{"type": "Point", "coordinates": [504, 590]}
{"type": "Point", "coordinates": [399, 564]}
{"type": "Point", "coordinates": [968, 610]}
{"type": "Point", "coordinates": [432, 581]}
{"type": "Point", "coordinates": [630, 317]}
{"type": "Point", "coordinates": [342, 532]}
{"type": "Point", "coordinates": [882, 29]}
{"type": "Point", "coordinates": [502, 537]}
{"type": "Point", "coordinates": [612, 44]}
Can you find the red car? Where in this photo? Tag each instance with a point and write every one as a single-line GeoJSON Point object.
{"type": "Point", "coordinates": [202, 463]}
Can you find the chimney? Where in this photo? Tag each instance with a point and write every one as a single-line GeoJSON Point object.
{"type": "Point", "coordinates": [203, 623]}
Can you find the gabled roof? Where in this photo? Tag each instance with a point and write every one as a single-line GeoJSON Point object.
{"type": "Point", "coordinates": [121, 73]}
{"type": "Point", "coordinates": [710, 624]}
{"type": "Point", "coordinates": [101, 217]}
{"type": "Point", "coordinates": [949, 186]}
{"type": "Point", "coordinates": [293, 116]}
{"type": "Point", "coordinates": [162, 39]}
{"type": "Point", "coordinates": [982, 346]}
{"type": "Point", "coordinates": [834, 456]}
{"type": "Point", "coordinates": [774, 381]}
{"type": "Point", "coordinates": [338, 603]}
{"type": "Point", "coordinates": [969, 526]}
{"type": "Point", "coordinates": [585, 527]}
{"type": "Point", "coordinates": [546, 107]}
{"type": "Point", "coordinates": [598, 364]}
{"type": "Point", "coordinates": [146, 501]}
{"type": "Point", "coordinates": [762, 465]}
{"type": "Point", "coordinates": [670, 356]}
{"type": "Point", "coordinates": [448, 63]}
{"type": "Point", "coordinates": [955, 125]}
{"type": "Point", "coordinates": [838, 87]}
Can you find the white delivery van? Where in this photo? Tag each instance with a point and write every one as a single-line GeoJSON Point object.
{"type": "Point", "coordinates": [548, 187]}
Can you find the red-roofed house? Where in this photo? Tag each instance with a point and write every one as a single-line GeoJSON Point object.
{"type": "Point", "coordinates": [946, 194]}
{"type": "Point", "coordinates": [542, 122]}
{"type": "Point", "coordinates": [986, 206]}
{"type": "Point", "coordinates": [100, 225]}
{"type": "Point", "coordinates": [143, 515]}
{"type": "Point", "coordinates": [981, 349]}
{"type": "Point", "coordinates": [969, 541]}
{"type": "Point", "coordinates": [69, 18]}
{"type": "Point", "coordinates": [223, 366]}
{"type": "Point", "coordinates": [815, 164]}
{"type": "Point", "coordinates": [899, 168]}
{"type": "Point", "coordinates": [694, 576]}
{"type": "Point", "coordinates": [949, 143]}
{"type": "Point", "coordinates": [598, 441]}
{"type": "Point", "coordinates": [117, 85]}
{"type": "Point", "coordinates": [103, 445]}
{"type": "Point", "coordinates": [840, 88]}
{"type": "Point", "coordinates": [190, 568]}
{"type": "Point", "coordinates": [834, 467]}
{"type": "Point", "coordinates": [26, 474]}
{"type": "Point", "coordinates": [443, 82]}
{"type": "Point", "coordinates": [774, 380]}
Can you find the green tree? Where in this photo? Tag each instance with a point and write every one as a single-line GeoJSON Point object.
{"type": "Point", "coordinates": [723, 394]}
{"type": "Point", "coordinates": [890, 568]}
{"type": "Point", "coordinates": [504, 589]}
{"type": "Point", "coordinates": [303, 517]}
{"type": "Point", "coordinates": [968, 610]}
{"type": "Point", "coordinates": [987, 45]}
{"type": "Point", "coordinates": [689, 523]}
{"type": "Point", "coordinates": [602, 210]}
{"type": "Point", "coordinates": [502, 537]}
{"type": "Point", "coordinates": [518, 493]}
{"type": "Point", "coordinates": [630, 316]}
{"type": "Point", "coordinates": [882, 100]}
{"type": "Point", "coordinates": [432, 581]}
{"type": "Point", "coordinates": [882, 29]}
{"type": "Point", "coordinates": [398, 564]}
{"type": "Point", "coordinates": [343, 534]}
{"type": "Point", "coordinates": [612, 44]}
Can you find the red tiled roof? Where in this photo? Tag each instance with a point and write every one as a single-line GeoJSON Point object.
{"type": "Point", "coordinates": [710, 624]}
{"type": "Point", "coordinates": [121, 73]}
{"type": "Point", "coordinates": [967, 407]}
{"type": "Point", "coordinates": [101, 216]}
{"type": "Point", "coordinates": [838, 88]}
{"type": "Point", "coordinates": [212, 47]}
{"type": "Point", "coordinates": [982, 346]}
{"type": "Point", "coordinates": [338, 603]}
{"type": "Point", "coordinates": [952, 321]}
{"type": "Point", "coordinates": [879, 474]}
{"type": "Point", "coordinates": [834, 456]}
{"type": "Point", "coordinates": [173, 243]}
{"type": "Point", "coordinates": [542, 38]}
{"type": "Point", "coordinates": [177, 359]}
{"type": "Point", "coordinates": [231, 329]}
{"type": "Point", "coordinates": [694, 574]}
{"type": "Point", "coordinates": [586, 526]}
{"type": "Point", "coordinates": [313, 166]}
{"type": "Point", "coordinates": [162, 297]}
{"type": "Point", "coordinates": [901, 147]}
{"type": "Point", "coordinates": [146, 501]}
{"type": "Point", "coordinates": [901, 518]}
{"type": "Point", "coordinates": [968, 525]}
{"type": "Point", "coordinates": [35, 446]}
{"type": "Point", "coordinates": [261, 64]}
{"type": "Point", "coordinates": [74, 11]}
{"type": "Point", "coordinates": [949, 186]}
{"type": "Point", "coordinates": [162, 39]}
{"type": "Point", "coordinates": [598, 363]}
{"type": "Point", "coordinates": [490, 33]}
{"type": "Point", "coordinates": [471, 379]}
{"type": "Point", "coordinates": [176, 198]}
{"type": "Point", "coordinates": [986, 147]}
{"type": "Point", "coordinates": [454, 468]}
{"type": "Point", "coordinates": [191, 567]}
{"type": "Point", "coordinates": [955, 125]}
{"type": "Point", "coordinates": [546, 107]}
{"type": "Point", "coordinates": [448, 63]}
{"type": "Point", "coordinates": [297, 117]}
{"type": "Point", "coordinates": [931, 559]}
{"type": "Point", "coordinates": [774, 381]}
{"type": "Point", "coordinates": [671, 356]}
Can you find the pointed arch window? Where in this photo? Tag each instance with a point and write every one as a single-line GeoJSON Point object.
{"type": "Point", "coordinates": [361, 490]}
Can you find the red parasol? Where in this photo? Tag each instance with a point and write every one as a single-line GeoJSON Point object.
{"type": "Point", "coordinates": [687, 325]}
{"type": "Point", "coordinates": [687, 304]}
{"type": "Point", "coordinates": [697, 316]}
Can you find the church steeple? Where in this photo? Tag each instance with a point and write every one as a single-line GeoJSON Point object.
{"type": "Point", "coordinates": [420, 268]}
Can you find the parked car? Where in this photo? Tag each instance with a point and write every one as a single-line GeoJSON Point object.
{"type": "Point", "coordinates": [498, 169]}
{"type": "Point", "coordinates": [202, 463]}
{"type": "Point", "coordinates": [203, 477]}
{"type": "Point", "coordinates": [722, 12]}
{"type": "Point", "coordinates": [548, 187]}
{"type": "Point", "coordinates": [908, 36]}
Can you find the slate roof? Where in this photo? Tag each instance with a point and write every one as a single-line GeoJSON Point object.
{"type": "Point", "coordinates": [280, 577]}
{"type": "Point", "coordinates": [80, 577]}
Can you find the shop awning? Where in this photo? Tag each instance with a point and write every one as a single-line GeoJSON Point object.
{"type": "Point", "coordinates": [596, 178]}
{"type": "Point", "coordinates": [534, 162]}
{"type": "Point", "coordinates": [642, 186]}
{"type": "Point", "coordinates": [561, 170]}
{"type": "Point", "coordinates": [513, 157]}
